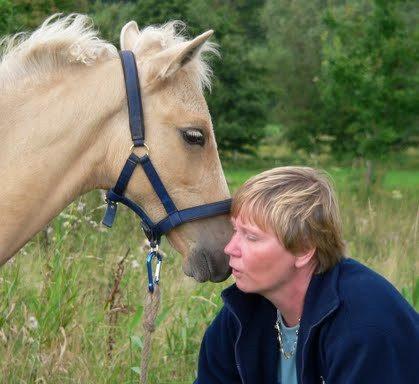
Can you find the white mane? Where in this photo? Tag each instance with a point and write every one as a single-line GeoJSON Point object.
{"type": "Point", "coordinates": [61, 42]}
{"type": "Point", "coordinates": [57, 43]}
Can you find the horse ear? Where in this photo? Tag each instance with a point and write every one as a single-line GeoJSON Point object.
{"type": "Point", "coordinates": [172, 59]}
{"type": "Point", "coordinates": [129, 35]}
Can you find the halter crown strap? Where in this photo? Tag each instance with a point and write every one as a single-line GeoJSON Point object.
{"type": "Point", "coordinates": [135, 107]}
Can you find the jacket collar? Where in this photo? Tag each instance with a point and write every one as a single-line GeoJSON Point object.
{"type": "Point", "coordinates": [322, 296]}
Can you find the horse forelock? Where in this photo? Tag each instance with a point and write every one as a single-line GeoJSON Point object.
{"type": "Point", "coordinates": [64, 41]}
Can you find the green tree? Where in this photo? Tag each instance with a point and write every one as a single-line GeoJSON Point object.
{"type": "Point", "coordinates": [293, 54]}
{"type": "Point", "coordinates": [241, 98]}
{"type": "Point", "coordinates": [369, 81]}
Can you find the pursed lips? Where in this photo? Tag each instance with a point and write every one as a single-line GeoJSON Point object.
{"type": "Point", "coordinates": [234, 269]}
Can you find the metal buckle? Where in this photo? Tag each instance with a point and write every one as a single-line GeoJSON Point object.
{"type": "Point", "coordinates": [154, 252]}
{"type": "Point", "coordinates": [111, 202]}
{"type": "Point", "coordinates": [144, 145]}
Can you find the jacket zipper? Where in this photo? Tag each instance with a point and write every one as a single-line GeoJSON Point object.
{"type": "Point", "coordinates": [238, 365]}
{"type": "Point", "coordinates": [308, 336]}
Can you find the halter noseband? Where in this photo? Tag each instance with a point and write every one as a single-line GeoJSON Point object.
{"type": "Point", "coordinates": [115, 195]}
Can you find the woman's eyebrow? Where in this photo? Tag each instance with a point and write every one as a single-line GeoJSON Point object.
{"type": "Point", "coordinates": [250, 229]}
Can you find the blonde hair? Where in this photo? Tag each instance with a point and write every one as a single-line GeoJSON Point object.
{"type": "Point", "coordinates": [300, 206]}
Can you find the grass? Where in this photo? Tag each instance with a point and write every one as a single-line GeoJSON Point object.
{"type": "Point", "coordinates": [54, 326]}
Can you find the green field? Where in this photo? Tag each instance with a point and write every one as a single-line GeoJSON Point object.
{"type": "Point", "coordinates": [54, 325]}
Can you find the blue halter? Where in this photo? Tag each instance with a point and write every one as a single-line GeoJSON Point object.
{"type": "Point", "coordinates": [115, 195]}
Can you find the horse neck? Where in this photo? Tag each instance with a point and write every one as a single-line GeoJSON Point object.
{"type": "Point", "coordinates": [54, 139]}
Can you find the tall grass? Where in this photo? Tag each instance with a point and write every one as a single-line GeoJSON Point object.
{"type": "Point", "coordinates": [54, 324]}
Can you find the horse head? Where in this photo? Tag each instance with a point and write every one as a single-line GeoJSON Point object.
{"type": "Point", "coordinates": [180, 142]}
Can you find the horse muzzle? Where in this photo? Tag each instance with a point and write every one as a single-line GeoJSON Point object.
{"type": "Point", "coordinates": [204, 264]}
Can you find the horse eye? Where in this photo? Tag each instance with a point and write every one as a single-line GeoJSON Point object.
{"type": "Point", "coordinates": [193, 137]}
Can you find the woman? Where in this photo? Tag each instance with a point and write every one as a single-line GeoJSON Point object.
{"type": "Point", "coordinates": [300, 311]}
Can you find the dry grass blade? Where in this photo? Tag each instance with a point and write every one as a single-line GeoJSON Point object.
{"type": "Point", "coordinates": [115, 307]}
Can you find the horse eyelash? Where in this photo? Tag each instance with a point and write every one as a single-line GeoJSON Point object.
{"type": "Point", "coordinates": [193, 133]}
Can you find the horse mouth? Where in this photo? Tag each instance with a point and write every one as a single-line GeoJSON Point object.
{"type": "Point", "coordinates": [204, 265]}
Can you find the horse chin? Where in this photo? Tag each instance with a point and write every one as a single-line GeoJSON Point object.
{"type": "Point", "coordinates": [203, 265]}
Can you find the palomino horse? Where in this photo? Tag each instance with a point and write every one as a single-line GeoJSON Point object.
{"type": "Point", "coordinates": [64, 131]}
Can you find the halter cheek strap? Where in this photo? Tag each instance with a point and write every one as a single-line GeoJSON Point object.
{"type": "Point", "coordinates": [115, 195]}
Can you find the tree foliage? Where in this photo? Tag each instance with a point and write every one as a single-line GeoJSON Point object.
{"type": "Point", "coordinates": [23, 15]}
{"type": "Point", "coordinates": [240, 101]}
{"type": "Point", "coordinates": [293, 51]}
{"type": "Point", "coordinates": [369, 83]}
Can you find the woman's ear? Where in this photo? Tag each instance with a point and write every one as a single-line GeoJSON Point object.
{"type": "Point", "coordinates": [304, 258]}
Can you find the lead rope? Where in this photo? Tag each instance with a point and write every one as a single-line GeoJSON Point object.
{"type": "Point", "coordinates": [152, 304]}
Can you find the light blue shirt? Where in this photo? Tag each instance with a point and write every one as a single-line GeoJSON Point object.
{"type": "Point", "coordinates": [287, 371]}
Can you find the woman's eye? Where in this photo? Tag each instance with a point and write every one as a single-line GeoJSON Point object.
{"type": "Point", "coordinates": [193, 137]}
{"type": "Point", "coordinates": [251, 237]}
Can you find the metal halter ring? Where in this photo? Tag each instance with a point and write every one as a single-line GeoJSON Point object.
{"type": "Point", "coordinates": [144, 145]}
{"type": "Point", "coordinates": [154, 252]}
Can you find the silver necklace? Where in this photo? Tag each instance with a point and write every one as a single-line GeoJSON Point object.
{"type": "Point", "coordinates": [290, 353]}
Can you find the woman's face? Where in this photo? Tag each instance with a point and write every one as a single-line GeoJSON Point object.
{"type": "Point", "coordinates": [259, 262]}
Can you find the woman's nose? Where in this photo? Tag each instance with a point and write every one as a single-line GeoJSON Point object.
{"type": "Point", "coordinates": [232, 248]}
